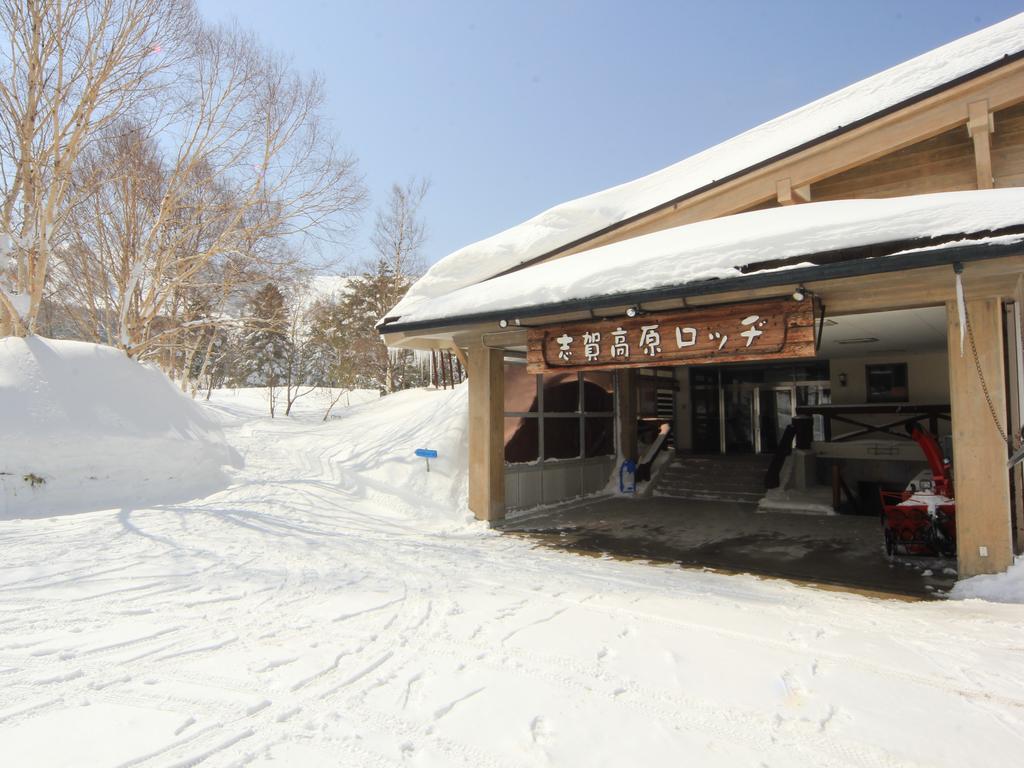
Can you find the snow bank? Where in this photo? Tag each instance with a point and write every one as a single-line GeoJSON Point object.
{"type": "Point", "coordinates": [377, 443]}
{"type": "Point", "coordinates": [366, 451]}
{"type": "Point", "coordinates": [572, 220]}
{"type": "Point", "coordinates": [1005, 587]}
{"type": "Point", "coordinates": [719, 248]}
{"type": "Point", "coordinates": [86, 428]}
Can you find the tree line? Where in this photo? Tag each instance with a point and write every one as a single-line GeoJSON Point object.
{"type": "Point", "coordinates": [319, 333]}
{"type": "Point", "coordinates": [168, 184]}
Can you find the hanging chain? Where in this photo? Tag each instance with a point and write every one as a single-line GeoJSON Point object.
{"type": "Point", "coordinates": [1011, 444]}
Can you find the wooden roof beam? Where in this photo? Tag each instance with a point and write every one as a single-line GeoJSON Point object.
{"type": "Point", "coordinates": [787, 194]}
{"type": "Point", "coordinates": [980, 127]}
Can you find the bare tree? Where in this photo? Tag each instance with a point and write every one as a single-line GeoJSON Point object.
{"type": "Point", "coordinates": [242, 171]}
{"type": "Point", "coordinates": [71, 68]}
{"type": "Point", "coordinates": [399, 231]}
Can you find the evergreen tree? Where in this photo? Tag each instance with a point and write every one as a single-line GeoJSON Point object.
{"type": "Point", "coordinates": [265, 347]}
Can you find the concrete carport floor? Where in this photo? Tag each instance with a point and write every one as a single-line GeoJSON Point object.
{"type": "Point", "coordinates": [834, 550]}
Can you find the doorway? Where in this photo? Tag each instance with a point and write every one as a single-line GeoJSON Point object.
{"type": "Point", "coordinates": [739, 409]}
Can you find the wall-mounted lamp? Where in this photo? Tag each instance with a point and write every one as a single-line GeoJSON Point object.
{"type": "Point", "coordinates": [842, 379]}
{"type": "Point", "coordinates": [632, 311]}
{"type": "Point", "coordinates": [800, 294]}
{"type": "Point", "coordinates": [503, 323]}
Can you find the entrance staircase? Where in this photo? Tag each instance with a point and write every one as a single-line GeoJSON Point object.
{"type": "Point", "coordinates": [714, 478]}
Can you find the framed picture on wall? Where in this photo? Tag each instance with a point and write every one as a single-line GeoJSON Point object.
{"type": "Point", "coordinates": [887, 383]}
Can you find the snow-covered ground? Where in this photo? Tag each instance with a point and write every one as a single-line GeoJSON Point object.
{"type": "Point", "coordinates": [334, 605]}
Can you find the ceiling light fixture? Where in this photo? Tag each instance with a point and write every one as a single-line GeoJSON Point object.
{"type": "Point", "coordinates": [860, 340]}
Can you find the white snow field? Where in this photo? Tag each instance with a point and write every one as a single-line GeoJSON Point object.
{"type": "Point", "coordinates": [335, 606]}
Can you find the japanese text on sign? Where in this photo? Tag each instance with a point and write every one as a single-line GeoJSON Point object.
{"type": "Point", "coordinates": [777, 328]}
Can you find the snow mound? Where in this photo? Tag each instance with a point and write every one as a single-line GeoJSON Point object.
{"type": "Point", "coordinates": [1005, 587]}
{"type": "Point", "coordinates": [85, 428]}
{"type": "Point", "coordinates": [376, 444]}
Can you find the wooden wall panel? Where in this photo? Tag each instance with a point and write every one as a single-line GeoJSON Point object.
{"type": "Point", "coordinates": [1008, 147]}
{"type": "Point", "coordinates": [944, 163]}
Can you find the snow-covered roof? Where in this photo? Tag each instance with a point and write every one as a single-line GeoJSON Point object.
{"type": "Point", "coordinates": [728, 246]}
{"type": "Point", "coordinates": [570, 221]}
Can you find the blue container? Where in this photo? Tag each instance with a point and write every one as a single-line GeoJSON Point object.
{"type": "Point", "coordinates": [627, 477]}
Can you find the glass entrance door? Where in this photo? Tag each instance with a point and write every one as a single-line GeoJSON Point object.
{"type": "Point", "coordinates": [739, 419]}
{"type": "Point", "coordinates": [776, 414]}
{"type": "Point", "coordinates": [707, 426]}
{"type": "Point", "coordinates": [747, 410]}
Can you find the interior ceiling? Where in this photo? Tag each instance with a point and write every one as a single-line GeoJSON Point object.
{"type": "Point", "coordinates": [902, 330]}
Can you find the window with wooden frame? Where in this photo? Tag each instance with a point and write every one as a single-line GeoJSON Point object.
{"type": "Point", "coordinates": [558, 416]}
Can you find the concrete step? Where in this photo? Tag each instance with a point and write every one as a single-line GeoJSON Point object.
{"type": "Point", "coordinates": [714, 478]}
{"type": "Point", "coordinates": [709, 497]}
{"type": "Point", "coordinates": [701, 491]}
{"type": "Point", "coordinates": [756, 479]}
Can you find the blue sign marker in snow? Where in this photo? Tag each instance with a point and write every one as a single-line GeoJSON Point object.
{"type": "Point", "coordinates": [428, 454]}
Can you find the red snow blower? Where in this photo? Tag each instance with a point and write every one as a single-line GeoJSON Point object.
{"type": "Point", "coordinates": [921, 520]}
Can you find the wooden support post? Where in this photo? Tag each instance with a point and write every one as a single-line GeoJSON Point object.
{"type": "Point", "coordinates": [980, 127]}
{"type": "Point", "coordinates": [625, 414]}
{"type": "Point", "coordinates": [787, 194]}
{"type": "Point", "coordinates": [1015, 359]}
{"type": "Point", "coordinates": [486, 433]}
{"type": "Point", "coordinates": [981, 481]}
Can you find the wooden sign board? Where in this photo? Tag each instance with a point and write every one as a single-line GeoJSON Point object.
{"type": "Point", "coordinates": [772, 329]}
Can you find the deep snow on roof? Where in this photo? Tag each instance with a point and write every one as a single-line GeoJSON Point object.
{"type": "Point", "coordinates": [723, 247]}
{"type": "Point", "coordinates": [567, 222]}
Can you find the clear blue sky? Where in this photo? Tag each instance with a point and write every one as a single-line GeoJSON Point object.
{"type": "Point", "coordinates": [510, 108]}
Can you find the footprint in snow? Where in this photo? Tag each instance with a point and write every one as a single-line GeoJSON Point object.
{"type": "Point", "coordinates": [540, 731]}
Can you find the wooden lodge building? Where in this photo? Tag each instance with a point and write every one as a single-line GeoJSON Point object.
{"type": "Point", "coordinates": [858, 262]}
